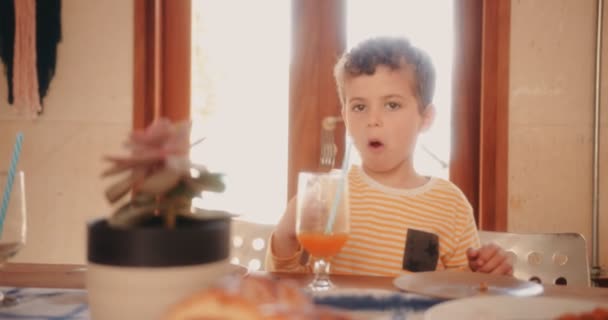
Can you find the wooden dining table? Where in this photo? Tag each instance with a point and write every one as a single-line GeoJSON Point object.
{"type": "Point", "coordinates": [30, 275]}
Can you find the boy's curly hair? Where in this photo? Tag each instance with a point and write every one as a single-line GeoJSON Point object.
{"type": "Point", "coordinates": [394, 53]}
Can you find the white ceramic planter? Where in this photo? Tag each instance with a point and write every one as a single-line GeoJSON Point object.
{"type": "Point", "coordinates": [145, 293]}
{"type": "Point", "coordinates": [139, 272]}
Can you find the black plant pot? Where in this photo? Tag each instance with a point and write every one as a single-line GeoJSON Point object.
{"type": "Point", "coordinates": [192, 242]}
{"type": "Point", "coordinates": [139, 273]}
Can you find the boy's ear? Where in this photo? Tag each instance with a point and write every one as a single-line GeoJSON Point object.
{"type": "Point", "coordinates": [428, 116]}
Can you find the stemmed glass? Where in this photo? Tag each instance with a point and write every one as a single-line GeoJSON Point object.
{"type": "Point", "coordinates": [322, 220]}
{"type": "Point", "coordinates": [12, 224]}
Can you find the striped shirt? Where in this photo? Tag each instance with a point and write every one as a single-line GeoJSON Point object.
{"type": "Point", "coordinates": [381, 218]}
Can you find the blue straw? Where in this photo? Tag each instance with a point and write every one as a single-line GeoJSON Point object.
{"type": "Point", "coordinates": [334, 207]}
{"type": "Point", "coordinates": [10, 179]}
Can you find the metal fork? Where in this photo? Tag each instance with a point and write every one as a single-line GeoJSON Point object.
{"type": "Point", "coordinates": [329, 149]}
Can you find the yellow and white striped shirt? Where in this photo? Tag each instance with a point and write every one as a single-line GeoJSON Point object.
{"type": "Point", "coordinates": [380, 219]}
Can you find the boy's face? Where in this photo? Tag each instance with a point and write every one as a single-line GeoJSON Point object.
{"type": "Point", "coordinates": [382, 114]}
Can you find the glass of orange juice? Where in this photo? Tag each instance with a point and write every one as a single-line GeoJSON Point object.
{"type": "Point", "coordinates": [322, 223]}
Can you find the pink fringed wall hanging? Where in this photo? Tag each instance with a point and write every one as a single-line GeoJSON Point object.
{"type": "Point", "coordinates": [25, 79]}
{"type": "Point", "coordinates": [30, 31]}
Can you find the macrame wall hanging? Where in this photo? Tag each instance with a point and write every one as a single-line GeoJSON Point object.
{"type": "Point", "coordinates": [30, 31]}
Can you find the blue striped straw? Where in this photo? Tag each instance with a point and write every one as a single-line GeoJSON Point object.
{"type": "Point", "coordinates": [334, 207]}
{"type": "Point", "coordinates": [10, 179]}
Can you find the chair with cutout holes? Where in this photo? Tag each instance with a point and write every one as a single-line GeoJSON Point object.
{"type": "Point", "coordinates": [249, 243]}
{"type": "Point", "coordinates": [548, 258]}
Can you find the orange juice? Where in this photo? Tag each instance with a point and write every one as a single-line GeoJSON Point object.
{"type": "Point", "coordinates": [321, 245]}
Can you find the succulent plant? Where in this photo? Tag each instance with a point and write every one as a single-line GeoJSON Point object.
{"type": "Point", "coordinates": [159, 176]}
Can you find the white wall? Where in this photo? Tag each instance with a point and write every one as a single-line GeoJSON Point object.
{"type": "Point", "coordinates": [551, 118]}
{"type": "Point", "coordinates": [87, 114]}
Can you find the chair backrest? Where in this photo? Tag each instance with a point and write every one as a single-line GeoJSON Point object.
{"type": "Point", "coordinates": [548, 258]}
{"type": "Point", "coordinates": [249, 243]}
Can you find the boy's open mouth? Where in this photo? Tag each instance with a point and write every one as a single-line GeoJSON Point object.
{"type": "Point", "coordinates": [375, 143]}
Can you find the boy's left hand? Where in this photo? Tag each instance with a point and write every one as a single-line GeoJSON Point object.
{"type": "Point", "coordinates": [490, 258]}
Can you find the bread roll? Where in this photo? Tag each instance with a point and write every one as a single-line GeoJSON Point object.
{"type": "Point", "coordinates": [251, 298]}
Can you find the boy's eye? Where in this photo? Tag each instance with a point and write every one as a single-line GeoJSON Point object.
{"type": "Point", "coordinates": [393, 105]}
{"type": "Point", "coordinates": [358, 107]}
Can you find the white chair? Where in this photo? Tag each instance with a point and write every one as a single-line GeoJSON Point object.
{"type": "Point", "coordinates": [249, 243]}
{"type": "Point", "coordinates": [548, 258]}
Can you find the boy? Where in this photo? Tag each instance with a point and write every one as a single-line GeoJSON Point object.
{"type": "Point", "coordinates": [400, 221]}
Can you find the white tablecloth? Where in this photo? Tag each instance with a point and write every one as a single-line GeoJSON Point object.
{"type": "Point", "coordinates": [71, 304]}
{"type": "Point", "coordinates": [46, 304]}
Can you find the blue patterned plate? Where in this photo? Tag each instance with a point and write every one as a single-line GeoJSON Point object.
{"type": "Point", "coordinates": [374, 303]}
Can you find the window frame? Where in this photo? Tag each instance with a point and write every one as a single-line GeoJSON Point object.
{"type": "Point", "coordinates": [161, 62]}
{"type": "Point", "coordinates": [479, 164]}
{"type": "Point", "coordinates": [480, 137]}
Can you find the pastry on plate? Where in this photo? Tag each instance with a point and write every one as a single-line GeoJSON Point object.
{"type": "Point", "coordinates": [251, 298]}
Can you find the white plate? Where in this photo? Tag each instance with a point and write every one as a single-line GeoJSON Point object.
{"type": "Point", "coordinates": [504, 307]}
{"type": "Point", "coordinates": [462, 284]}
{"type": "Point", "coordinates": [365, 292]}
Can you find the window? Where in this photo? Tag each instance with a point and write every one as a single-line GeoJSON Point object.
{"type": "Point", "coordinates": [431, 28]}
{"type": "Point", "coordinates": [481, 52]}
{"type": "Point", "coordinates": [240, 87]}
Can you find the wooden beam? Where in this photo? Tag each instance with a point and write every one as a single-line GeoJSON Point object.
{"type": "Point", "coordinates": [479, 164]}
{"type": "Point", "coordinates": [466, 92]}
{"type": "Point", "coordinates": [161, 64]}
{"type": "Point", "coordinates": [176, 30]}
{"type": "Point", "coordinates": [318, 39]}
{"type": "Point", "coordinates": [146, 59]}
{"type": "Point", "coordinates": [494, 146]}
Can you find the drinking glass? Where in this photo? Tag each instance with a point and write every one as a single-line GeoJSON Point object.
{"type": "Point", "coordinates": [322, 220]}
{"type": "Point", "coordinates": [12, 223]}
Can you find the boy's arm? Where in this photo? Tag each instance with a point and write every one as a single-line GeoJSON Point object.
{"type": "Point", "coordinates": [284, 252]}
{"type": "Point", "coordinates": [292, 263]}
{"type": "Point", "coordinates": [465, 237]}
{"type": "Point", "coordinates": [470, 255]}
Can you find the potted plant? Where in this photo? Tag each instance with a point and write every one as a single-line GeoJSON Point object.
{"type": "Point", "coordinates": [154, 249]}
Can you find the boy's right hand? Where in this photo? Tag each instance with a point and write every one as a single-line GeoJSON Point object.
{"type": "Point", "coordinates": [285, 242]}
{"type": "Point", "coordinates": [490, 258]}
